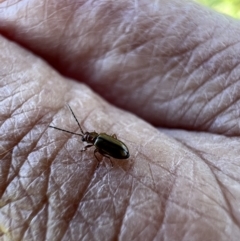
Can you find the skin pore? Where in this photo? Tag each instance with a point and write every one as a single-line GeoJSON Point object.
{"type": "Point", "coordinates": [125, 68]}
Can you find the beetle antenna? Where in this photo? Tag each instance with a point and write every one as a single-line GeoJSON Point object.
{"type": "Point", "coordinates": [75, 118]}
{"type": "Point", "coordinates": [78, 134]}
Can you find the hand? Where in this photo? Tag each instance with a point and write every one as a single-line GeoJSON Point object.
{"type": "Point", "coordinates": [172, 64]}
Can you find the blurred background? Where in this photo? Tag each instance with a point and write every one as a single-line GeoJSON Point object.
{"type": "Point", "coordinates": [229, 7]}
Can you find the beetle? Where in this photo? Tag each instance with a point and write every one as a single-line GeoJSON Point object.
{"type": "Point", "coordinates": [108, 146]}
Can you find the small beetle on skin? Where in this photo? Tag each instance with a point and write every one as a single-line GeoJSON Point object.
{"type": "Point", "coordinates": [106, 145]}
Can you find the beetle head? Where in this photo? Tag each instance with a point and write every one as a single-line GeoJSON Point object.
{"type": "Point", "coordinates": [90, 137]}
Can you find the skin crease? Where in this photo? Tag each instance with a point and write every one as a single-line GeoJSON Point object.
{"type": "Point", "coordinates": [173, 64]}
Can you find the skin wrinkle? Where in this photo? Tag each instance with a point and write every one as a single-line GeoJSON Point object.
{"type": "Point", "coordinates": [195, 211]}
{"type": "Point", "coordinates": [84, 216]}
{"type": "Point", "coordinates": [154, 184]}
{"type": "Point", "coordinates": [127, 206]}
{"type": "Point", "coordinates": [114, 191]}
{"type": "Point", "coordinates": [142, 216]}
{"type": "Point", "coordinates": [119, 221]}
{"type": "Point", "coordinates": [139, 234]}
{"type": "Point", "coordinates": [218, 169]}
{"type": "Point", "coordinates": [205, 185]}
{"type": "Point", "coordinates": [173, 98]}
{"type": "Point", "coordinates": [30, 151]}
{"type": "Point", "coordinates": [220, 52]}
{"type": "Point", "coordinates": [217, 181]}
{"type": "Point", "coordinates": [46, 192]}
{"type": "Point", "coordinates": [33, 234]}
{"type": "Point", "coordinates": [201, 111]}
{"type": "Point", "coordinates": [78, 200]}
{"type": "Point", "coordinates": [137, 46]}
{"type": "Point", "coordinates": [165, 195]}
{"type": "Point", "coordinates": [65, 27]}
{"type": "Point", "coordinates": [211, 99]}
{"type": "Point", "coordinates": [17, 107]}
{"type": "Point", "coordinates": [225, 209]}
{"type": "Point", "coordinates": [225, 131]}
{"type": "Point", "coordinates": [189, 208]}
{"type": "Point", "coordinates": [200, 86]}
{"type": "Point", "coordinates": [4, 182]}
{"type": "Point", "coordinates": [45, 228]}
{"type": "Point", "coordinates": [53, 160]}
{"type": "Point", "coordinates": [226, 199]}
{"type": "Point", "coordinates": [10, 98]}
{"type": "Point", "coordinates": [233, 127]}
{"type": "Point", "coordinates": [167, 201]}
{"type": "Point", "coordinates": [19, 213]}
{"type": "Point", "coordinates": [34, 213]}
{"type": "Point", "coordinates": [21, 104]}
{"type": "Point", "coordinates": [211, 122]}
{"type": "Point", "coordinates": [120, 228]}
{"type": "Point", "coordinates": [6, 75]}
{"type": "Point", "coordinates": [16, 171]}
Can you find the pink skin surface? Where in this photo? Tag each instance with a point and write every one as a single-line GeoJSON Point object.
{"type": "Point", "coordinates": [126, 68]}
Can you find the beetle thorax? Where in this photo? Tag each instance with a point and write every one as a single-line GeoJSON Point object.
{"type": "Point", "coordinates": [90, 137]}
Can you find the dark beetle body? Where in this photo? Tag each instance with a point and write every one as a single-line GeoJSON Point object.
{"type": "Point", "coordinates": [111, 146]}
{"type": "Point", "coordinates": [108, 146]}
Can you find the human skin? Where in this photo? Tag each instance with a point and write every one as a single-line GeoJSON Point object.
{"type": "Point", "coordinates": [168, 64]}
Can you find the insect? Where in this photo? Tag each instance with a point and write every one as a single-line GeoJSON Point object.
{"type": "Point", "coordinates": [106, 145]}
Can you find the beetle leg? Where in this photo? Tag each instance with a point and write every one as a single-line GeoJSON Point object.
{"type": "Point", "coordinates": [103, 154]}
{"type": "Point", "coordinates": [95, 151]}
{"type": "Point", "coordinates": [86, 147]}
{"type": "Point", "coordinates": [109, 159]}
{"type": "Point", "coordinates": [114, 136]}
